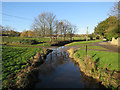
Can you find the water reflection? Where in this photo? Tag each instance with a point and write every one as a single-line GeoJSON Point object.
{"type": "Point", "coordinates": [53, 60]}
{"type": "Point", "coordinates": [59, 71]}
{"type": "Point", "coordinates": [89, 81]}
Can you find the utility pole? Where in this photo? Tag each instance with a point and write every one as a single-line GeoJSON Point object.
{"type": "Point", "coordinates": [86, 40]}
{"type": "Point", "coordinates": [87, 35]}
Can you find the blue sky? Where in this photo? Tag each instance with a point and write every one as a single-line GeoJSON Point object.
{"type": "Point", "coordinates": [81, 14]}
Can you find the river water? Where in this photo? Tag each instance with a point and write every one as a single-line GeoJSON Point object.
{"type": "Point", "coordinates": [59, 71]}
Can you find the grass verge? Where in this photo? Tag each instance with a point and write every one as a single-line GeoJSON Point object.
{"type": "Point", "coordinates": [83, 42]}
{"type": "Point", "coordinates": [92, 47]}
{"type": "Point", "coordinates": [104, 59]}
{"type": "Point", "coordinates": [101, 65]}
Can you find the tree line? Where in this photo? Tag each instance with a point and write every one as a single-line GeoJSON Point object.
{"type": "Point", "coordinates": [46, 25]}
{"type": "Point", "coordinates": [8, 31]}
{"type": "Point", "coordinates": [110, 27]}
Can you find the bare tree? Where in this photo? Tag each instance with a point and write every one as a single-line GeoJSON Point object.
{"type": "Point", "coordinates": [36, 31]}
{"type": "Point", "coordinates": [40, 25]}
{"type": "Point", "coordinates": [47, 25]}
{"type": "Point", "coordinates": [115, 10]}
{"type": "Point", "coordinates": [57, 28]}
{"type": "Point", "coordinates": [61, 28]}
{"type": "Point", "coordinates": [67, 29]}
{"type": "Point", "coordinates": [44, 23]}
{"type": "Point", "coordinates": [50, 18]}
{"type": "Point", "coordinates": [7, 30]}
{"type": "Point", "coordinates": [73, 29]}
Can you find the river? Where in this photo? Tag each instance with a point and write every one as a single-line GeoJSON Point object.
{"type": "Point", "coordinates": [59, 71]}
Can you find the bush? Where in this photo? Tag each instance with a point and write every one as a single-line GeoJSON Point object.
{"type": "Point", "coordinates": [110, 36]}
{"type": "Point", "coordinates": [28, 41]}
{"type": "Point", "coordinates": [91, 36]}
{"type": "Point", "coordinates": [98, 37]}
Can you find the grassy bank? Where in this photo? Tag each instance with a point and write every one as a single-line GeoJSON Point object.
{"type": "Point", "coordinates": [101, 65]}
{"type": "Point", "coordinates": [83, 42]}
{"type": "Point", "coordinates": [18, 65]}
{"type": "Point", "coordinates": [104, 59]}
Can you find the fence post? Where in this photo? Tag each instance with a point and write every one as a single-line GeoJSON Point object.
{"type": "Point", "coordinates": [86, 50]}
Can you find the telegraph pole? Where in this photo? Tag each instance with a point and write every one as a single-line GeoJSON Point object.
{"type": "Point", "coordinates": [87, 34]}
{"type": "Point", "coordinates": [86, 40]}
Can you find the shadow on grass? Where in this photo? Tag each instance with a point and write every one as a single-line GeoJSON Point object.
{"type": "Point", "coordinates": [38, 43]}
{"type": "Point", "coordinates": [93, 55]}
{"type": "Point", "coordinates": [97, 60]}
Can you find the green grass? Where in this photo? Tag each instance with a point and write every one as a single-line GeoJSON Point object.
{"type": "Point", "coordinates": [14, 59]}
{"type": "Point", "coordinates": [45, 44]}
{"type": "Point", "coordinates": [79, 38]}
{"type": "Point", "coordinates": [92, 47]}
{"type": "Point", "coordinates": [83, 42]}
{"type": "Point", "coordinates": [104, 58]}
{"type": "Point", "coordinates": [15, 39]}
{"type": "Point", "coordinates": [39, 39]}
{"type": "Point", "coordinates": [41, 45]}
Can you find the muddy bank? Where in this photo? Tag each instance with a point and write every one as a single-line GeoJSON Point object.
{"type": "Point", "coordinates": [109, 79]}
{"type": "Point", "coordinates": [27, 77]}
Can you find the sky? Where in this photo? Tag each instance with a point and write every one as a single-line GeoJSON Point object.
{"type": "Point", "coordinates": [20, 15]}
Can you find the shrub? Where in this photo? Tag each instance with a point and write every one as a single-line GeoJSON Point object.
{"type": "Point", "coordinates": [91, 36]}
{"type": "Point", "coordinates": [28, 41]}
{"type": "Point", "coordinates": [110, 36]}
{"type": "Point", "coordinates": [98, 37]}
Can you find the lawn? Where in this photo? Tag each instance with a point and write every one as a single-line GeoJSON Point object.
{"type": "Point", "coordinates": [83, 42]}
{"type": "Point", "coordinates": [15, 39]}
{"type": "Point", "coordinates": [79, 38]}
{"type": "Point", "coordinates": [41, 45]}
{"type": "Point", "coordinates": [92, 47]}
{"type": "Point", "coordinates": [104, 59]}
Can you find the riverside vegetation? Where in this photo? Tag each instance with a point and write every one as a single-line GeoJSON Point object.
{"type": "Point", "coordinates": [101, 65]}
{"type": "Point", "coordinates": [19, 63]}
{"type": "Point", "coordinates": [26, 41]}
{"type": "Point", "coordinates": [19, 66]}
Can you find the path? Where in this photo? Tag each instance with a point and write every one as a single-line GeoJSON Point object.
{"type": "Point", "coordinates": [106, 45]}
{"type": "Point", "coordinates": [109, 47]}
